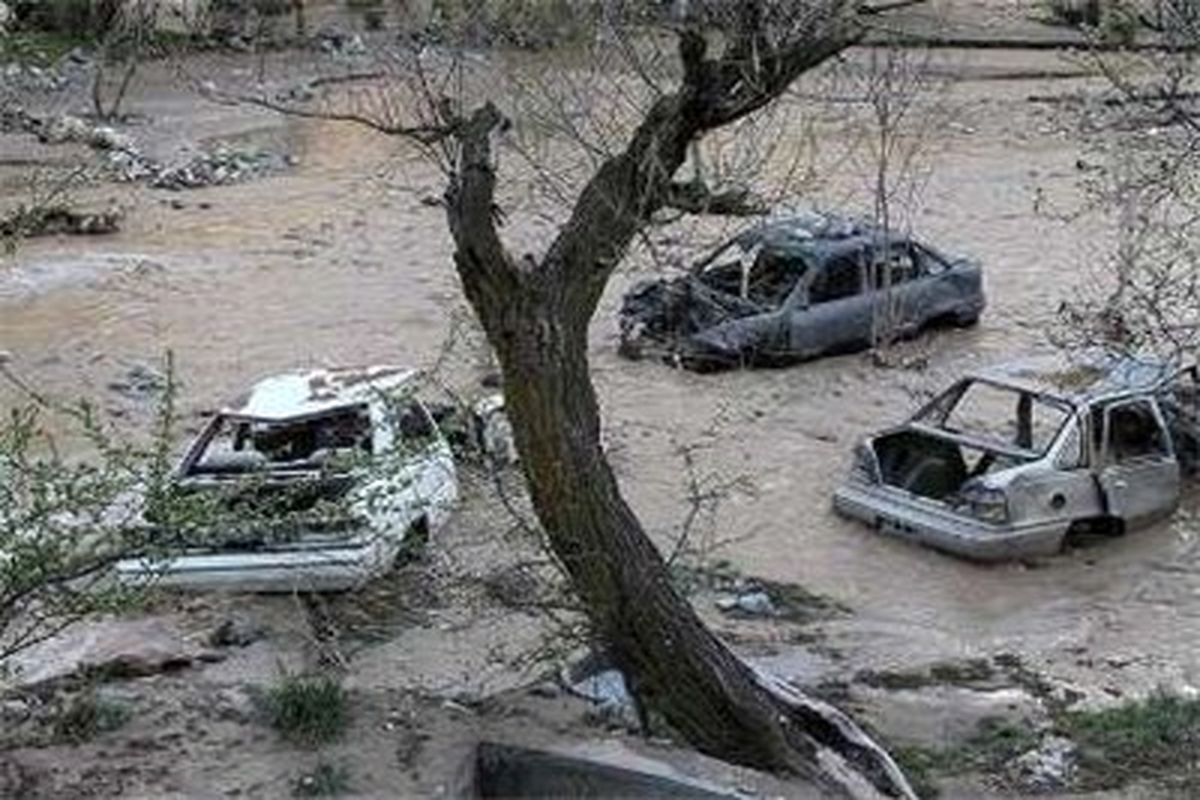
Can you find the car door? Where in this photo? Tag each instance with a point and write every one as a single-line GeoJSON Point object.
{"type": "Point", "coordinates": [1139, 473]}
{"type": "Point", "coordinates": [832, 311]}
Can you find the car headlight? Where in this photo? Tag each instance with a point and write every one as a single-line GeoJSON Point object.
{"type": "Point", "coordinates": [987, 505]}
{"type": "Point", "coordinates": [864, 467]}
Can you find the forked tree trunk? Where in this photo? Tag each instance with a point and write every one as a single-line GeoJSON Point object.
{"type": "Point", "coordinates": [536, 316]}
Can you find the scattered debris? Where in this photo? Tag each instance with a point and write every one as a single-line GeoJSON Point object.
{"type": "Point", "coordinates": [755, 603]}
{"type": "Point", "coordinates": [222, 165]}
{"type": "Point", "coordinates": [339, 43]}
{"type": "Point", "coordinates": [1048, 767]}
{"type": "Point", "coordinates": [53, 220]}
{"type": "Point", "coordinates": [18, 76]}
{"type": "Point", "coordinates": [236, 631]}
{"type": "Point", "coordinates": [594, 679]}
{"type": "Point", "coordinates": [216, 166]}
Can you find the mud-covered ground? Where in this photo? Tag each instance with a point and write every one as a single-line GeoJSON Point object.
{"type": "Point", "coordinates": [344, 258]}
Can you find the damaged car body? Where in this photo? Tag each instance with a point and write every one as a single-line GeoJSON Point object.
{"type": "Point", "coordinates": [796, 288]}
{"type": "Point", "coordinates": [1013, 460]}
{"type": "Point", "coordinates": [312, 482]}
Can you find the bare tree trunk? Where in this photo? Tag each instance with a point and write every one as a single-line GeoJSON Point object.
{"type": "Point", "coordinates": [536, 316]}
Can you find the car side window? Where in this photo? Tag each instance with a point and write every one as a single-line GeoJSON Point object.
{"type": "Point", "coordinates": [898, 266]}
{"type": "Point", "coordinates": [841, 278]}
{"type": "Point", "coordinates": [1132, 432]}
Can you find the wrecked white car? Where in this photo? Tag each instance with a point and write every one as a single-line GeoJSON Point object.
{"type": "Point", "coordinates": [1014, 460]}
{"type": "Point", "coordinates": [796, 288]}
{"type": "Point", "coordinates": [312, 482]}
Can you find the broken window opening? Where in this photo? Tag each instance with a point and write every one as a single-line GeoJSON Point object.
{"type": "Point", "coordinates": [239, 446]}
{"type": "Point", "coordinates": [840, 279]}
{"type": "Point", "coordinates": [1006, 416]}
{"type": "Point", "coordinates": [1132, 432]}
{"type": "Point", "coordinates": [767, 281]}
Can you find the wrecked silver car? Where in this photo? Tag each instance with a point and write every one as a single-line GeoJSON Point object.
{"type": "Point", "coordinates": [1014, 460]}
{"type": "Point", "coordinates": [796, 288]}
{"type": "Point", "coordinates": [316, 479]}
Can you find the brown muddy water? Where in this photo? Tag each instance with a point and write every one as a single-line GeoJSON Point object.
{"type": "Point", "coordinates": [340, 261]}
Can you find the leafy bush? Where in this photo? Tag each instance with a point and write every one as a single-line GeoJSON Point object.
{"type": "Point", "coordinates": [81, 18]}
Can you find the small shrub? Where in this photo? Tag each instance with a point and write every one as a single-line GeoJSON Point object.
{"type": "Point", "coordinates": [87, 716]}
{"type": "Point", "coordinates": [307, 709]}
{"type": "Point", "coordinates": [1158, 737]}
{"type": "Point", "coordinates": [326, 780]}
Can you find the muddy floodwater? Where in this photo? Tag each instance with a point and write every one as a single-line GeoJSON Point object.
{"type": "Point", "coordinates": [345, 259]}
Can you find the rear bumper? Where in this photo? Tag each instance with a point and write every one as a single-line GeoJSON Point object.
{"type": "Point", "coordinates": [896, 514]}
{"type": "Point", "coordinates": [327, 568]}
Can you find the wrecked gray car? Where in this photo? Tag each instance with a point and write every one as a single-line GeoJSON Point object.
{"type": "Point", "coordinates": [1016, 460]}
{"type": "Point", "coordinates": [797, 288]}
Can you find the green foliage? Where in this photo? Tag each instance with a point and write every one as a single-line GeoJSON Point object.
{"type": "Point", "coordinates": [307, 709]}
{"type": "Point", "coordinates": [39, 48]}
{"type": "Point", "coordinates": [1118, 24]}
{"type": "Point", "coordinates": [86, 716]}
{"type": "Point", "coordinates": [65, 520]}
{"type": "Point", "coordinates": [1071, 13]}
{"type": "Point", "coordinates": [1155, 738]}
{"type": "Point", "coordinates": [326, 780]}
{"type": "Point", "coordinates": [83, 19]}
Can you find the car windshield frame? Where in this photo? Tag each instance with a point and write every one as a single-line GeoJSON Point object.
{"type": "Point", "coordinates": [934, 415]}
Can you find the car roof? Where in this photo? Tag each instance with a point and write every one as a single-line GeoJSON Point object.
{"type": "Point", "coordinates": [816, 236]}
{"type": "Point", "coordinates": [306, 393]}
{"type": "Point", "coordinates": [1083, 377]}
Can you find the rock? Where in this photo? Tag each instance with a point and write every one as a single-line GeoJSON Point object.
{"type": "Point", "coordinates": [234, 705]}
{"type": "Point", "coordinates": [494, 431]}
{"type": "Point", "coordinates": [106, 649]}
{"type": "Point", "coordinates": [1049, 767]}
{"type": "Point", "coordinates": [236, 631]}
{"type": "Point", "coordinates": [139, 383]}
{"type": "Point", "coordinates": [604, 686]}
{"type": "Point", "coordinates": [64, 129]}
{"type": "Point", "coordinates": [14, 711]}
{"type": "Point", "coordinates": [6, 17]}
{"type": "Point", "coordinates": [105, 138]}
{"type": "Point", "coordinates": [752, 604]}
